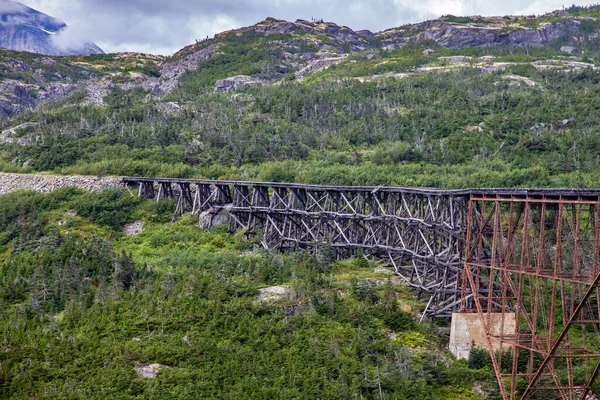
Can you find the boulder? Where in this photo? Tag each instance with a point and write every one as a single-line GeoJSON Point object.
{"type": "Point", "coordinates": [281, 69]}
{"type": "Point", "coordinates": [521, 80]}
{"type": "Point", "coordinates": [243, 98]}
{"type": "Point", "coordinates": [45, 61]}
{"type": "Point", "coordinates": [456, 59]}
{"type": "Point", "coordinates": [486, 58]}
{"type": "Point", "coordinates": [567, 49]}
{"type": "Point", "coordinates": [557, 126]}
{"type": "Point", "coordinates": [272, 293]}
{"type": "Point", "coordinates": [215, 216]}
{"type": "Point", "coordinates": [473, 128]}
{"type": "Point", "coordinates": [134, 228]}
{"type": "Point", "coordinates": [148, 371]}
{"type": "Point", "coordinates": [169, 107]}
{"type": "Point", "coordinates": [428, 52]}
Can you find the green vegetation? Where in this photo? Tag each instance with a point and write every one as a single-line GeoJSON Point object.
{"type": "Point", "coordinates": [453, 129]}
{"type": "Point", "coordinates": [535, 22]}
{"type": "Point", "coordinates": [249, 53]}
{"type": "Point", "coordinates": [82, 305]}
{"type": "Point", "coordinates": [584, 11]}
{"type": "Point", "coordinates": [464, 20]}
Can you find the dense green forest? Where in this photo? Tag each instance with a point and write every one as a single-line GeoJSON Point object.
{"type": "Point", "coordinates": [461, 128]}
{"type": "Point", "coordinates": [82, 305]}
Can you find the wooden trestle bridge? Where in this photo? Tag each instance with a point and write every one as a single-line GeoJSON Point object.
{"type": "Point", "coordinates": [528, 258]}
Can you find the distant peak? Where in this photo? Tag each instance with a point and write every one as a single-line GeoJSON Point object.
{"type": "Point", "coordinates": [24, 29]}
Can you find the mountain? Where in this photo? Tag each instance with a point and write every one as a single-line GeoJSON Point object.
{"type": "Point", "coordinates": [25, 29]}
{"type": "Point", "coordinates": [273, 50]}
{"type": "Point", "coordinates": [506, 55]}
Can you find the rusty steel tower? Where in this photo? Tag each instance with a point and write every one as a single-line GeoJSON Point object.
{"type": "Point", "coordinates": [532, 263]}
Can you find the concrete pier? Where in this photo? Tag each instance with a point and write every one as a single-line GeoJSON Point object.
{"type": "Point", "coordinates": [466, 332]}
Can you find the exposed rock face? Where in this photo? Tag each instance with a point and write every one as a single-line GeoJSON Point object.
{"type": "Point", "coordinates": [318, 65]}
{"type": "Point", "coordinates": [562, 65]}
{"type": "Point", "coordinates": [307, 48]}
{"type": "Point", "coordinates": [25, 29]}
{"type": "Point", "coordinates": [17, 97]}
{"type": "Point", "coordinates": [456, 59]}
{"type": "Point", "coordinates": [475, 35]}
{"type": "Point", "coordinates": [13, 135]}
{"type": "Point", "coordinates": [16, 65]}
{"type": "Point", "coordinates": [170, 72]}
{"type": "Point", "coordinates": [340, 35]}
{"type": "Point", "coordinates": [236, 82]}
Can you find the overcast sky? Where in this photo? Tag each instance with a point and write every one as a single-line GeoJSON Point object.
{"type": "Point", "coordinates": [165, 26]}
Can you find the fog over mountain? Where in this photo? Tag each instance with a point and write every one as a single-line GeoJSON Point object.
{"type": "Point", "coordinates": [25, 29]}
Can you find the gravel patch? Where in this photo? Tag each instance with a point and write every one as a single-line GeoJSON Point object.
{"type": "Point", "coordinates": [47, 183]}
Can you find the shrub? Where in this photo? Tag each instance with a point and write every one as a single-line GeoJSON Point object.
{"type": "Point", "coordinates": [112, 207]}
{"type": "Point", "coordinates": [478, 358]}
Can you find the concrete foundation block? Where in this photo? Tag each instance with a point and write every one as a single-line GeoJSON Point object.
{"type": "Point", "coordinates": [466, 332]}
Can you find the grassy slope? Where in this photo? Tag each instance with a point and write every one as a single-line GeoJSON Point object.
{"type": "Point", "coordinates": [73, 327]}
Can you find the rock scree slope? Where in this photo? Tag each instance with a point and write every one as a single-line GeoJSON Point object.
{"type": "Point", "coordinates": [47, 183]}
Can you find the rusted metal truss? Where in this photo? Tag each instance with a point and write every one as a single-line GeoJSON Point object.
{"type": "Point", "coordinates": [534, 260]}
{"type": "Point", "coordinates": [418, 232]}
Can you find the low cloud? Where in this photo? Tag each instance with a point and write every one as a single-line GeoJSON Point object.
{"type": "Point", "coordinates": [10, 6]}
{"type": "Point", "coordinates": [163, 27]}
{"type": "Point", "coordinates": [6, 7]}
{"type": "Point", "coordinates": [72, 38]}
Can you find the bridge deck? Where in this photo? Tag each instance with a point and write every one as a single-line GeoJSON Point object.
{"type": "Point", "coordinates": [550, 193]}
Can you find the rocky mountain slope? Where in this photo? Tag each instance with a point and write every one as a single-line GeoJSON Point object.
{"type": "Point", "coordinates": [25, 29]}
{"type": "Point", "coordinates": [275, 50]}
